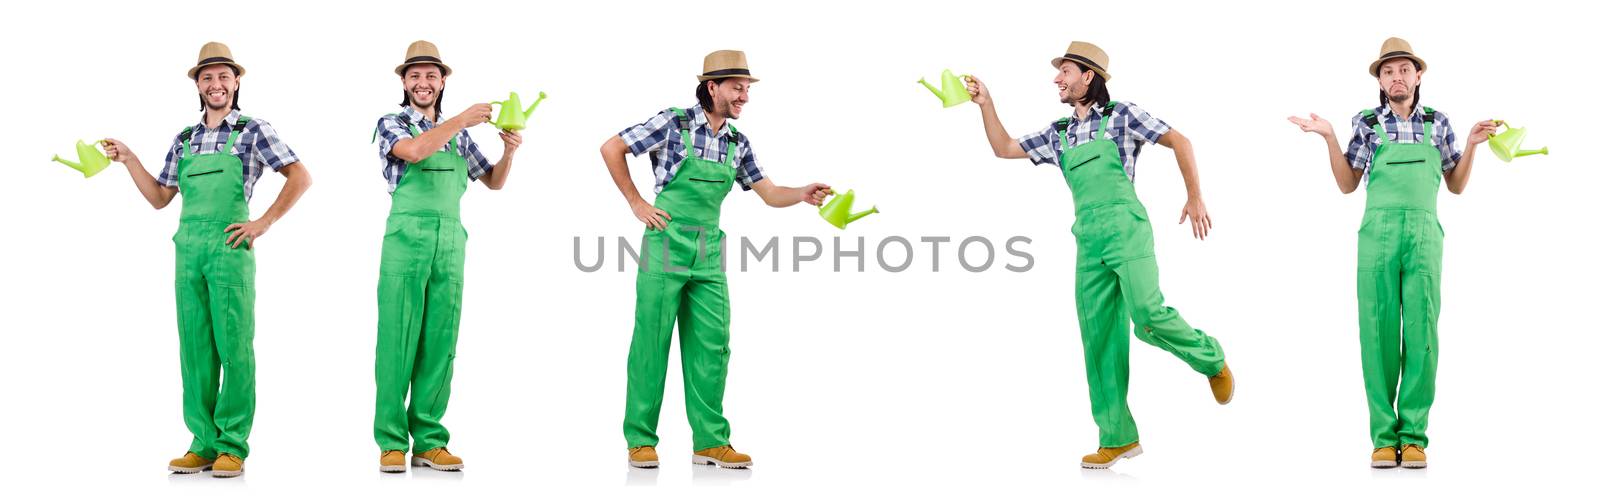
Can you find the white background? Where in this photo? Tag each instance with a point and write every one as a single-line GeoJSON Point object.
{"type": "Point", "coordinates": [951, 383]}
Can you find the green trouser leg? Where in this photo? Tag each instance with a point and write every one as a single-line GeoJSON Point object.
{"type": "Point", "coordinates": [693, 292]}
{"type": "Point", "coordinates": [419, 315]}
{"type": "Point", "coordinates": [215, 291]}
{"type": "Point", "coordinates": [1117, 281]}
{"type": "Point", "coordinates": [1397, 285]}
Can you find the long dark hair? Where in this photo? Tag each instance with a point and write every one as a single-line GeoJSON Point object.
{"type": "Point", "coordinates": [1097, 93]}
{"type": "Point", "coordinates": [702, 93]}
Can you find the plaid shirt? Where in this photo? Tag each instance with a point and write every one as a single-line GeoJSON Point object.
{"type": "Point", "coordinates": [258, 147]}
{"type": "Point", "coordinates": [662, 130]}
{"type": "Point", "coordinates": [1131, 127]}
{"type": "Point", "coordinates": [390, 131]}
{"type": "Point", "coordinates": [1363, 144]}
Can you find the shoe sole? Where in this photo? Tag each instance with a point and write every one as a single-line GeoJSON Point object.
{"type": "Point", "coordinates": [1414, 464]}
{"type": "Point", "coordinates": [719, 463]}
{"type": "Point", "coordinates": [392, 468]}
{"type": "Point", "coordinates": [644, 464]}
{"type": "Point", "coordinates": [226, 474]}
{"type": "Point", "coordinates": [1134, 452]}
{"type": "Point", "coordinates": [187, 471]}
{"type": "Point", "coordinates": [418, 461]}
{"type": "Point", "coordinates": [1385, 464]}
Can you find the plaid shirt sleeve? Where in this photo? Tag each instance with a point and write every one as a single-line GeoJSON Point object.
{"type": "Point", "coordinates": [1141, 125]}
{"type": "Point", "coordinates": [651, 135]}
{"type": "Point", "coordinates": [269, 149]}
{"type": "Point", "coordinates": [749, 171]}
{"type": "Point", "coordinates": [1359, 152]}
{"type": "Point", "coordinates": [1445, 139]}
{"type": "Point", "coordinates": [477, 164]}
{"type": "Point", "coordinates": [390, 131]}
{"type": "Point", "coordinates": [1042, 145]}
{"type": "Point", "coordinates": [169, 171]}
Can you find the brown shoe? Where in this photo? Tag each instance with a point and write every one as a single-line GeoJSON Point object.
{"type": "Point", "coordinates": [723, 456]}
{"type": "Point", "coordinates": [392, 461]}
{"type": "Point", "coordinates": [1107, 456]}
{"type": "Point", "coordinates": [643, 456]}
{"type": "Point", "coordinates": [439, 459]}
{"type": "Point", "coordinates": [227, 466]}
{"type": "Point", "coordinates": [1412, 456]}
{"type": "Point", "coordinates": [1384, 457]}
{"type": "Point", "coordinates": [189, 463]}
{"type": "Point", "coordinates": [1222, 386]}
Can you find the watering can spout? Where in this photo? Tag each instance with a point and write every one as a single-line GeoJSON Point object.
{"type": "Point", "coordinates": [531, 107]}
{"type": "Point", "coordinates": [75, 165]}
{"type": "Point", "coordinates": [861, 215]}
{"type": "Point", "coordinates": [935, 91]}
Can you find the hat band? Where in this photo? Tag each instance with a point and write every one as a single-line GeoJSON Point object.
{"type": "Point", "coordinates": [424, 58]}
{"type": "Point", "coordinates": [1085, 61]}
{"type": "Point", "coordinates": [1397, 53]}
{"type": "Point", "coordinates": [729, 72]}
{"type": "Point", "coordinates": [214, 60]}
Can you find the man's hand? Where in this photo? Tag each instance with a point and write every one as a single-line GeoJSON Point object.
{"type": "Point", "coordinates": [117, 151]}
{"type": "Point", "coordinates": [814, 194]}
{"type": "Point", "coordinates": [1314, 124]}
{"type": "Point", "coordinates": [649, 214]}
{"type": "Point", "coordinates": [246, 232]}
{"type": "Point", "coordinates": [512, 139]}
{"type": "Point", "coordinates": [474, 115]}
{"type": "Point", "coordinates": [1482, 131]}
{"type": "Point", "coordinates": [1195, 212]}
{"type": "Point", "coordinates": [978, 91]}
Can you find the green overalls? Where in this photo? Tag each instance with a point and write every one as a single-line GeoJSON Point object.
{"type": "Point", "coordinates": [1397, 284]}
{"type": "Point", "coordinates": [1116, 281]}
{"type": "Point", "coordinates": [419, 301]}
{"type": "Point", "coordinates": [681, 278]}
{"type": "Point", "coordinates": [216, 295]}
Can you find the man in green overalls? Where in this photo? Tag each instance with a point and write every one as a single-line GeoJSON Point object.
{"type": "Point", "coordinates": [697, 155]}
{"type": "Point", "coordinates": [215, 164]}
{"type": "Point", "coordinates": [428, 164]}
{"type": "Point", "coordinates": [1401, 149]}
{"type": "Point", "coordinates": [1095, 150]}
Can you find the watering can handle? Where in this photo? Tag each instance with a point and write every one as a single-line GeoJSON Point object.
{"type": "Point", "coordinates": [1497, 125]}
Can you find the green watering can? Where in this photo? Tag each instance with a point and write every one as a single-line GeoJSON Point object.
{"type": "Point", "coordinates": [1505, 144]}
{"type": "Point", "coordinates": [953, 91]}
{"type": "Point", "coordinates": [512, 117]}
{"type": "Point", "coordinates": [90, 160]}
{"type": "Point", "coordinates": [837, 210]}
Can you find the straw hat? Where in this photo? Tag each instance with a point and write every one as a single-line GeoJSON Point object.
{"type": "Point", "coordinates": [1087, 54]}
{"type": "Point", "coordinates": [1394, 48]}
{"type": "Point", "coordinates": [214, 53]}
{"type": "Point", "coordinates": [422, 52]}
{"type": "Point", "coordinates": [726, 64]}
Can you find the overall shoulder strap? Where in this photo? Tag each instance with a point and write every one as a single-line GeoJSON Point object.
{"type": "Point", "coordinates": [1105, 119]}
{"type": "Point", "coordinates": [733, 142]}
{"type": "Point", "coordinates": [233, 136]}
{"type": "Point", "coordinates": [1370, 118]}
{"type": "Point", "coordinates": [183, 137]}
{"type": "Point", "coordinates": [1061, 133]}
{"type": "Point", "coordinates": [1427, 125]}
{"type": "Point", "coordinates": [683, 122]}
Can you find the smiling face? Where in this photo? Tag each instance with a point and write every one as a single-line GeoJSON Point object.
{"type": "Point", "coordinates": [217, 84]}
{"type": "Point", "coordinates": [423, 83]}
{"type": "Point", "coordinates": [1072, 82]}
{"type": "Point", "coordinates": [1398, 78]}
{"type": "Point", "coordinates": [729, 95]}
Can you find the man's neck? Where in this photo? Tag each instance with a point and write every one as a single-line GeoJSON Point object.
{"type": "Point", "coordinates": [431, 113]}
{"type": "Point", "coordinates": [1403, 109]}
{"type": "Point", "coordinates": [715, 121]}
{"type": "Point", "coordinates": [214, 117]}
{"type": "Point", "coordinates": [1081, 110]}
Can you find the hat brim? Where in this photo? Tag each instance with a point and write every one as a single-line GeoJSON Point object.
{"type": "Point", "coordinates": [1056, 64]}
{"type": "Point", "coordinates": [704, 78]}
{"type": "Point", "coordinates": [1421, 65]}
{"type": "Point", "coordinates": [401, 69]}
{"type": "Point", "coordinates": [236, 68]}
